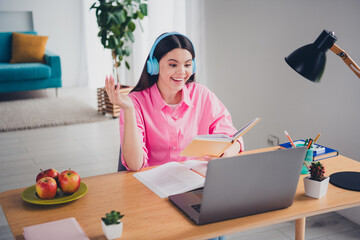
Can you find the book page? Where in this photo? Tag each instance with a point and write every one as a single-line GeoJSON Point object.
{"type": "Point", "coordinates": [197, 165]}
{"type": "Point", "coordinates": [244, 129]}
{"type": "Point", "coordinates": [170, 178]}
{"type": "Point", "coordinates": [214, 137]}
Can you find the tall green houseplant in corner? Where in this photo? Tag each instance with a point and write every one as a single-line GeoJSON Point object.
{"type": "Point", "coordinates": [116, 20]}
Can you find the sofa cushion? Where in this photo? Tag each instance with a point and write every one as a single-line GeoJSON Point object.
{"type": "Point", "coordinates": [27, 48]}
{"type": "Point", "coordinates": [23, 71]}
{"type": "Point", "coordinates": [6, 46]}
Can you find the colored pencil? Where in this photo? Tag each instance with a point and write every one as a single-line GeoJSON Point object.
{"type": "Point", "coordinates": [287, 134]}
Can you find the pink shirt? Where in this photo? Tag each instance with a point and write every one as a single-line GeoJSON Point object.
{"type": "Point", "coordinates": [165, 133]}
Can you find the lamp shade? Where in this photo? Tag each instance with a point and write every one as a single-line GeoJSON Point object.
{"type": "Point", "coordinates": [309, 61]}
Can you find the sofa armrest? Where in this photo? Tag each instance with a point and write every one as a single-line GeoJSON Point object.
{"type": "Point", "coordinates": [53, 61]}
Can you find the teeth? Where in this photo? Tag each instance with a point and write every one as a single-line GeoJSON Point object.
{"type": "Point", "coordinates": [178, 79]}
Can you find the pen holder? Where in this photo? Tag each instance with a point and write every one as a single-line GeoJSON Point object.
{"type": "Point", "coordinates": [308, 159]}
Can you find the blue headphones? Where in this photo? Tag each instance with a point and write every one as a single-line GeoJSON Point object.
{"type": "Point", "coordinates": [152, 64]}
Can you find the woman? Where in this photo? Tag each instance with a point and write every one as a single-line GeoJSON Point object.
{"type": "Point", "coordinates": [166, 109]}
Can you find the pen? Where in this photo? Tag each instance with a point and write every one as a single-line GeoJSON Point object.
{"type": "Point", "coordinates": [310, 143]}
{"type": "Point", "coordinates": [291, 141]}
{"type": "Point", "coordinates": [196, 172]}
{"type": "Point", "coordinates": [317, 137]}
{"type": "Point", "coordinates": [307, 166]}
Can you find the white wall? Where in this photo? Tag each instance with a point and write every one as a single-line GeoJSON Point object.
{"type": "Point", "coordinates": [72, 31]}
{"type": "Point", "coordinates": [61, 21]}
{"type": "Point", "coordinates": [246, 45]}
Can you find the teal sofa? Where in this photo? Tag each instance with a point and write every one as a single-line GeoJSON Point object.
{"type": "Point", "coordinates": [16, 77]}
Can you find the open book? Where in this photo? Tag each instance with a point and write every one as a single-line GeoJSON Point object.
{"type": "Point", "coordinates": [174, 177]}
{"type": "Point", "coordinates": [214, 144]}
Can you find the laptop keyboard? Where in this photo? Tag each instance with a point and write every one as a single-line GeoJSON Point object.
{"type": "Point", "coordinates": [196, 207]}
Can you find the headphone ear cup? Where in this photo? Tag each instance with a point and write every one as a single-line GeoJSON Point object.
{"type": "Point", "coordinates": [193, 66]}
{"type": "Point", "coordinates": [156, 67]}
{"type": "Point", "coordinates": [149, 66]}
{"type": "Point", "coordinates": [152, 66]}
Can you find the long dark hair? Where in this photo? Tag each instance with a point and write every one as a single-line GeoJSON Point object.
{"type": "Point", "coordinates": [163, 47]}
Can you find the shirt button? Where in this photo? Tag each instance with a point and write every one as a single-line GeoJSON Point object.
{"type": "Point", "coordinates": [174, 148]}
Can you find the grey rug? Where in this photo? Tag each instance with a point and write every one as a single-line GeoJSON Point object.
{"type": "Point", "coordinates": [46, 112]}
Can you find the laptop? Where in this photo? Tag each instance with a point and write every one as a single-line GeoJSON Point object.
{"type": "Point", "coordinates": [244, 185]}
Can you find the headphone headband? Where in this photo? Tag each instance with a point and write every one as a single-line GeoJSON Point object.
{"type": "Point", "coordinates": [153, 64]}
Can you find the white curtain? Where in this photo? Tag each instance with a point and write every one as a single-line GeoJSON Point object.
{"type": "Point", "coordinates": [185, 17]}
{"type": "Point", "coordinates": [195, 30]}
{"type": "Point", "coordinates": [97, 61]}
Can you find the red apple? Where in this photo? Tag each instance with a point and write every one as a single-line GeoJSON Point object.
{"type": "Point", "coordinates": [69, 181]}
{"type": "Point", "coordinates": [47, 173]}
{"type": "Point", "coordinates": [46, 188]}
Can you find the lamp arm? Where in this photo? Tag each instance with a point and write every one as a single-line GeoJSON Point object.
{"type": "Point", "coordinates": [347, 59]}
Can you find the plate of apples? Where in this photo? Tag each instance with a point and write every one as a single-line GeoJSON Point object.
{"type": "Point", "coordinates": [53, 187]}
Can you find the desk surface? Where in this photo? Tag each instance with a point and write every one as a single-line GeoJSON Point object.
{"type": "Point", "coordinates": [148, 215]}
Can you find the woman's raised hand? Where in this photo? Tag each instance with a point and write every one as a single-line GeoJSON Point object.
{"type": "Point", "coordinates": [122, 100]}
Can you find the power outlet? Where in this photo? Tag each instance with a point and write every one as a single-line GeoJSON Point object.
{"type": "Point", "coordinates": [273, 140]}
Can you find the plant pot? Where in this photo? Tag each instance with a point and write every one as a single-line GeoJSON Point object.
{"type": "Point", "coordinates": [112, 231]}
{"type": "Point", "coordinates": [104, 104]}
{"type": "Point", "coordinates": [315, 188]}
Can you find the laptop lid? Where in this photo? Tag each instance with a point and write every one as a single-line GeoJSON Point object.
{"type": "Point", "coordinates": [244, 185]}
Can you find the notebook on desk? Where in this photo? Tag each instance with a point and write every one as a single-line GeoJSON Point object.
{"type": "Point", "coordinates": [244, 185]}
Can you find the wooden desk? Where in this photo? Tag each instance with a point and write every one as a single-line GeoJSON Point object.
{"type": "Point", "coordinates": [148, 216]}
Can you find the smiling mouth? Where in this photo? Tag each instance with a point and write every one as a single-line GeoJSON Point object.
{"type": "Point", "coordinates": [178, 79]}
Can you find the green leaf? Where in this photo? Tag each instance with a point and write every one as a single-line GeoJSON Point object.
{"type": "Point", "coordinates": [107, 17]}
{"type": "Point", "coordinates": [118, 51]}
{"type": "Point", "coordinates": [140, 26]}
{"type": "Point", "coordinates": [131, 36]}
{"type": "Point", "coordinates": [114, 19]}
{"type": "Point", "coordinates": [132, 26]}
{"type": "Point", "coordinates": [141, 16]}
{"type": "Point", "coordinates": [130, 9]}
{"type": "Point", "coordinates": [123, 14]}
{"type": "Point", "coordinates": [112, 43]}
{"type": "Point", "coordinates": [143, 8]}
{"type": "Point", "coordinates": [115, 30]}
{"type": "Point", "coordinates": [93, 6]}
{"type": "Point", "coordinates": [127, 50]}
{"type": "Point", "coordinates": [135, 15]}
{"type": "Point", "coordinates": [103, 38]}
{"type": "Point", "coordinates": [128, 67]}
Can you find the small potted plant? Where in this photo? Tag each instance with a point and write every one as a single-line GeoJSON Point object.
{"type": "Point", "coordinates": [316, 184]}
{"type": "Point", "coordinates": [111, 225]}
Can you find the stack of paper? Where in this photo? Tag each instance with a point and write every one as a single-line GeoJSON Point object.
{"type": "Point", "coordinates": [173, 177]}
{"type": "Point", "coordinates": [67, 228]}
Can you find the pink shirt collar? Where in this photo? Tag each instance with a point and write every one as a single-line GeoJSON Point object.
{"type": "Point", "coordinates": [159, 103]}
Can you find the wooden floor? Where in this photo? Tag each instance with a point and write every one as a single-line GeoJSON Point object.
{"type": "Point", "coordinates": [92, 149]}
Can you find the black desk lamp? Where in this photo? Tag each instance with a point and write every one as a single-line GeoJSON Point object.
{"type": "Point", "coordinates": [309, 61]}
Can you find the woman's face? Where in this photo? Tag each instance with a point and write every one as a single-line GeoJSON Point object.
{"type": "Point", "coordinates": [175, 70]}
